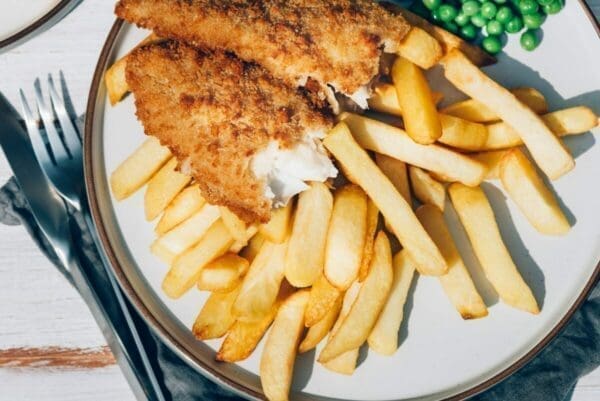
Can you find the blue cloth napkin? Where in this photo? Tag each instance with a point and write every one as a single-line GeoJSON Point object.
{"type": "Point", "coordinates": [551, 376]}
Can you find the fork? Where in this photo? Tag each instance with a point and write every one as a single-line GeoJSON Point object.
{"type": "Point", "coordinates": [61, 160]}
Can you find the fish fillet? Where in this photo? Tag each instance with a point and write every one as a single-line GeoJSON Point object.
{"type": "Point", "coordinates": [216, 112]}
{"type": "Point", "coordinates": [318, 43]}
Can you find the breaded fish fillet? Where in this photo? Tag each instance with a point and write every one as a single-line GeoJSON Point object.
{"type": "Point", "coordinates": [216, 113]}
{"type": "Point", "coordinates": [332, 42]}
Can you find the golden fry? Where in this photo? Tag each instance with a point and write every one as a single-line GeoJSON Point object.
{"type": "Point", "coordinates": [372, 223]}
{"type": "Point", "coordinates": [361, 318]}
{"type": "Point", "coordinates": [547, 150]}
{"type": "Point", "coordinates": [277, 229]}
{"type": "Point", "coordinates": [477, 217]}
{"type": "Point", "coordinates": [279, 354]}
{"type": "Point", "coordinates": [185, 204]}
{"type": "Point", "coordinates": [215, 318]}
{"type": "Point", "coordinates": [396, 171]}
{"type": "Point", "coordinates": [385, 100]}
{"type": "Point", "coordinates": [426, 189]}
{"type": "Point", "coordinates": [421, 119]}
{"type": "Point", "coordinates": [457, 283]}
{"type": "Point", "coordinates": [306, 252]}
{"type": "Point", "coordinates": [163, 188]}
{"type": "Point", "coordinates": [319, 330]}
{"type": "Point", "coordinates": [384, 336]}
{"type": "Point", "coordinates": [420, 48]}
{"type": "Point", "coordinates": [528, 190]}
{"type": "Point", "coordinates": [394, 142]}
{"type": "Point", "coordinates": [462, 134]}
{"type": "Point", "coordinates": [223, 274]}
{"type": "Point", "coordinates": [138, 168]}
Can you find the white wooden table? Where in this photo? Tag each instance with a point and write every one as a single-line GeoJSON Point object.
{"type": "Point", "coordinates": [39, 311]}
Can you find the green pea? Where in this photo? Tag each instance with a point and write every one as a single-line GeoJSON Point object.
{"type": "Point", "coordinates": [450, 27]}
{"type": "Point", "coordinates": [447, 12]}
{"type": "Point", "coordinates": [494, 28]}
{"type": "Point", "coordinates": [544, 2]}
{"type": "Point", "coordinates": [432, 4]}
{"type": "Point", "coordinates": [528, 6]}
{"type": "Point", "coordinates": [554, 7]}
{"type": "Point", "coordinates": [435, 15]}
{"type": "Point", "coordinates": [504, 14]}
{"type": "Point", "coordinates": [533, 21]}
{"type": "Point", "coordinates": [530, 40]}
{"type": "Point", "coordinates": [478, 20]}
{"type": "Point", "coordinates": [500, 1]}
{"type": "Point", "coordinates": [492, 44]}
{"type": "Point", "coordinates": [514, 25]}
{"type": "Point", "coordinates": [470, 7]}
{"type": "Point", "coordinates": [462, 19]}
{"type": "Point", "coordinates": [488, 10]}
{"type": "Point", "coordinates": [468, 32]}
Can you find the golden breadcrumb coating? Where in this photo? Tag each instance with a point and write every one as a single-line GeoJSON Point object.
{"type": "Point", "coordinates": [334, 42]}
{"type": "Point", "coordinates": [215, 112]}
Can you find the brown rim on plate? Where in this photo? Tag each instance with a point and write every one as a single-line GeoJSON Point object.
{"type": "Point", "coordinates": [168, 338]}
{"type": "Point", "coordinates": [58, 11]}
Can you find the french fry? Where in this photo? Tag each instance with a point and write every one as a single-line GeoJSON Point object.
{"type": "Point", "coordinates": [168, 246]}
{"type": "Point", "coordinates": [385, 100]}
{"type": "Point", "coordinates": [572, 121]}
{"type": "Point", "coordinates": [163, 188]}
{"type": "Point", "coordinates": [253, 247]}
{"type": "Point", "coordinates": [234, 224]}
{"type": "Point", "coordinates": [215, 318]}
{"type": "Point", "coordinates": [426, 189]}
{"type": "Point", "coordinates": [457, 283]}
{"type": "Point", "coordinates": [279, 353]}
{"type": "Point", "coordinates": [261, 285]}
{"type": "Point", "coordinates": [345, 363]}
{"type": "Point", "coordinates": [318, 331]}
{"type": "Point", "coordinates": [238, 245]}
{"type": "Point", "coordinates": [462, 134]}
{"type": "Point", "coordinates": [491, 160]}
{"type": "Point", "coordinates": [372, 223]}
{"type": "Point", "coordinates": [306, 252]}
{"type": "Point", "coordinates": [397, 173]}
{"type": "Point", "coordinates": [547, 150]}
{"type": "Point", "coordinates": [185, 204]}
{"type": "Point", "coordinates": [243, 337]}
{"type": "Point", "coordinates": [373, 294]}
{"type": "Point", "coordinates": [475, 111]}
{"type": "Point", "coordinates": [223, 274]}
{"type": "Point", "coordinates": [477, 217]}
{"type": "Point", "coordinates": [527, 189]}
{"type": "Point", "coordinates": [384, 336]}
{"type": "Point", "coordinates": [448, 40]}
{"type": "Point", "coordinates": [115, 79]}
{"type": "Point", "coordinates": [277, 229]}
{"type": "Point", "coordinates": [361, 170]}
{"type": "Point", "coordinates": [323, 297]}
{"type": "Point", "coordinates": [420, 48]}
{"type": "Point", "coordinates": [421, 119]}
{"type": "Point", "coordinates": [346, 236]}
{"type": "Point", "coordinates": [138, 168]}
{"type": "Point", "coordinates": [394, 142]}
{"type": "Point", "coordinates": [187, 267]}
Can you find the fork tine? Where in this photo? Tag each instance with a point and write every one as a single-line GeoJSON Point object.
{"type": "Point", "coordinates": [35, 135]}
{"type": "Point", "coordinates": [68, 129]}
{"type": "Point", "coordinates": [66, 96]}
{"type": "Point", "coordinates": [56, 144]}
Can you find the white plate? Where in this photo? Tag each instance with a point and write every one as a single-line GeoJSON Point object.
{"type": "Point", "coordinates": [441, 355]}
{"type": "Point", "coordinates": [21, 19]}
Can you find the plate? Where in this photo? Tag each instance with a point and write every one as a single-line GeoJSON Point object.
{"type": "Point", "coordinates": [441, 356]}
{"type": "Point", "coordinates": [21, 20]}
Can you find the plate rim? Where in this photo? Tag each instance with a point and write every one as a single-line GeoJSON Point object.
{"type": "Point", "coordinates": [58, 12]}
{"type": "Point", "coordinates": [171, 342]}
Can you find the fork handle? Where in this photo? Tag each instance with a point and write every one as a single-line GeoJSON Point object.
{"type": "Point", "coordinates": [99, 296]}
{"type": "Point", "coordinates": [124, 307]}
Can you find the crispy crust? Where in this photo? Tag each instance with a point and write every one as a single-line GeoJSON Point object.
{"type": "Point", "coordinates": [334, 42]}
{"type": "Point", "coordinates": [215, 112]}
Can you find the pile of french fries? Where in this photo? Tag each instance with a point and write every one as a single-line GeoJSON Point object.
{"type": "Point", "coordinates": [322, 270]}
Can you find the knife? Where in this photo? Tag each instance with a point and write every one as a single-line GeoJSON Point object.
{"type": "Point", "coordinates": [50, 213]}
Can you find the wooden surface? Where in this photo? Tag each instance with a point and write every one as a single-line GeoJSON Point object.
{"type": "Point", "coordinates": [43, 323]}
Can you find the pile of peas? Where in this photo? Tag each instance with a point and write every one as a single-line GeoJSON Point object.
{"type": "Point", "coordinates": [467, 18]}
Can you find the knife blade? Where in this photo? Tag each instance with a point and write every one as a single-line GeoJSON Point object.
{"type": "Point", "coordinates": [50, 213]}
